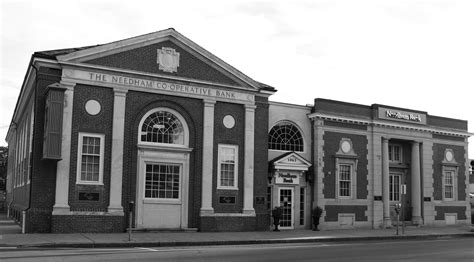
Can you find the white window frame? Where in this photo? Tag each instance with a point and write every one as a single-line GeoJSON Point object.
{"type": "Point", "coordinates": [392, 188]}
{"type": "Point", "coordinates": [185, 143]}
{"type": "Point", "coordinates": [351, 161]}
{"type": "Point", "coordinates": [79, 158]}
{"type": "Point", "coordinates": [351, 174]}
{"type": "Point", "coordinates": [392, 153]}
{"type": "Point", "coordinates": [288, 122]}
{"type": "Point", "coordinates": [453, 171]}
{"type": "Point", "coordinates": [236, 167]}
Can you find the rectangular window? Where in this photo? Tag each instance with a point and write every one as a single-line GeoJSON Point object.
{"type": "Point", "coordinates": [227, 167]}
{"type": "Point", "coordinates": [302, 202]}
{"type": "Point", "coordinates": [162, 181]}
{"type": "Point", "coordinates": [449, 185]}
{"type": "Point", "coordinates": [90, 159]}
{"type": "Point", "coordinates": [345, 180]}
{"type": "Point", "coordinates": [395, 153]}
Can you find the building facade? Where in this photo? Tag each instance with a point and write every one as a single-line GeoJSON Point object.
{"type": "Point", "coordinates": [359, 162]}
{"type": "Point", "coordinates": [376, 156]}
{"type": "Point", "coordinates": [158, 131]}
{"type": "Point", "coordinates": [154, 124]}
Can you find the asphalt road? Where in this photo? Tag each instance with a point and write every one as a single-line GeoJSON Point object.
{"type": "Point", "coordinates": [416, 250]}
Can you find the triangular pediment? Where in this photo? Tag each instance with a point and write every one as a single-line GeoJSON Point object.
{"type": "Point", "coordinates": [164, 53]}
{"type": "Point", "coordinates": [290, 161]}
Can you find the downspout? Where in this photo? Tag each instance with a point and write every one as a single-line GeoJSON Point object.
{"type": "Point", "coordinates": [313, 169]}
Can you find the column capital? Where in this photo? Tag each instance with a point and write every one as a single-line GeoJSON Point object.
{"type": "Point", "coordinates": [250, 107]}
{"type": "Point", "coordinates": [67, 85]}
{"type": "Point", "coordinates": [385, 139]}
{"type": "Point", "coordinates": [208, 102]}
{"type": "Point", "coordinates": [120, 91]}
{"type": "Point", "coordinates": [414, 142]}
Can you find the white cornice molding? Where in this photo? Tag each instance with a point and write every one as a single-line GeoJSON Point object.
{"type": "Point", "coordinates": [267, 92]}
{"type": "Point", "coordinates": [340, 118]}
{"type": "Point", "coordinates": [303, 166]}
{"type": "Point", "coordinates": [390, 125]}
{"type": "Point", "coordinates": [41, 62]}
{"type": "Point", "coordinates": [25, 92]}
{"type": "Point", "coordinates": [153, 38]}
{"type": "Point", "coordinates": [28, 86]}
{"type": "Point", "coordinates": [283, 104]}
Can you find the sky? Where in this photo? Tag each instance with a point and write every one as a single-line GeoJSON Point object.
{"type": "Point", "coordinates": [412, 54]}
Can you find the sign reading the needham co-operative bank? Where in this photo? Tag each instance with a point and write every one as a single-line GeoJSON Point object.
{"type": "Point", "coordinates": [168, 87]}
{"type": "Point", "coordinates": [403, 116]}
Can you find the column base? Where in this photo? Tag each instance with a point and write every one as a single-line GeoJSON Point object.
{"type": "Point", "coordinates": [250, 212]}
{"type": "Point", "coordinates": [417, 220]}
{"type": "Point", "coordinates": [61, 209]}
{"type": "Point", "coordinates": [387, 222]}
{"type": "Point", "coordinates": [207, 211]}
{"type": "Point", "coordinates": [116, 211]}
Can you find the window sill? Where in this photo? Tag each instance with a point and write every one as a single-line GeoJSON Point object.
{"type": "Point", "coordinates": [84, 183]}
{"type": "Point", "coordinates": [228, 188]}
{"type": "Point", "coordinates": [161, 201]}
{"type": "Point", "coordinates": [169, 148]}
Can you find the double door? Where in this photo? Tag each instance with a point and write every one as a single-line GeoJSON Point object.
{"type": "Point", "coordinates": [398, 194]}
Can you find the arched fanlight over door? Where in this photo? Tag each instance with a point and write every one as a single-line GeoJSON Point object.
{"type": "Point", "coordinates": [163, 126]}
{"type": "Point", "coordinates": [285, 136]}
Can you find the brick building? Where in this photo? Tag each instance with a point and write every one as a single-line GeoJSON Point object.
{"type": "Point", "coordinates": [156, 120]}
{"type": "Point", "coordinates": [158, 126]}
{"type": "Point", "coordinates": [357, 162]}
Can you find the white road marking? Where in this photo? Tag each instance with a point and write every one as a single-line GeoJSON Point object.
{"type": "Point", "coordinates": [147, 249]}
{"type": "Point", "coordinates": [169, 249]}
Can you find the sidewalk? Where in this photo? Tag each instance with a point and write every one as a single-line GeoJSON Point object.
{"type": "Point", "coordinates": [156, 239]}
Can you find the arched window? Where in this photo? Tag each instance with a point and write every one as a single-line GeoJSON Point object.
{"type": "Point", "coordinates": [163, 126]}
{"type": "Point", "coordinates": [285, 136]}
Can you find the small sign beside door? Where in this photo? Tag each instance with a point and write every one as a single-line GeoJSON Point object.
{"type": "Point", "coordinates": [403, 189]}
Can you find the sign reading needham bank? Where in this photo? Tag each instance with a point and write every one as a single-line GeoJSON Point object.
{"type": "Point", "coordinates": [165, 86]}
{"type": "Point", "coordinates": [287, 178]}
{"type": "Point", "coordinates": [403, 116]}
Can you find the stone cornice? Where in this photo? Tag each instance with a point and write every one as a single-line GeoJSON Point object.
{"type": "Point", "coordinates": [387, 124]}
{"type": "Point", "coordinates": [154, 84]}
{"type": "Point", "coordinates": [105, 69]}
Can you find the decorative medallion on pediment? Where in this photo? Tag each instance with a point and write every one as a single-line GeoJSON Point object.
{"type": "Point", "coordinates": [168, 59]}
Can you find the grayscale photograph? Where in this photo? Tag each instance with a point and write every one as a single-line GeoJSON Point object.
{"type": "Point", "coordinates": [240, 130]}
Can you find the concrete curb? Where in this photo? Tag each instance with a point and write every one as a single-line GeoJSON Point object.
{"type": "Point", "coordinates": [94, 244]}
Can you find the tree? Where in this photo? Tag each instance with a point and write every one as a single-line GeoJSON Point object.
{"type": "Point", "coordinates": [3, 166]}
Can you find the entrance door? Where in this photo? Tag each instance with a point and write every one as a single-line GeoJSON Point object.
{"type": "Point", "coordinates": [396, 181]}
{"type": "Point", "coordinates": [162, 200]}
{"type": "Point", "coordinates": [286, 196]}
{"type": "Point", "coordinates": [162, 191]}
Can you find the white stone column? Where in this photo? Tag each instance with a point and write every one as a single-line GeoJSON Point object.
{"type": "Point", "coordinates": [415, 183]}
{"type": "Point", "coordinates": [385, 184]}
{"type": "Point", "coordinates": [249, 159]}
{"type": "Point", "coordinates": [207, 155]}
{"type": "Point", "coordinates": [116, 174]}
{"type": "Point", "coordinates": [61, 202]}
